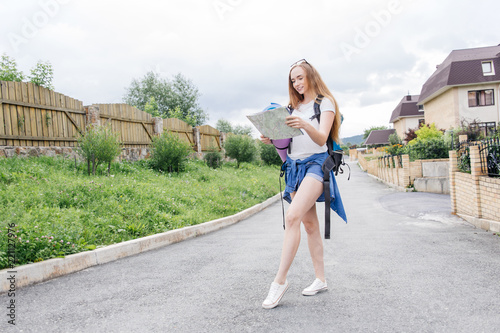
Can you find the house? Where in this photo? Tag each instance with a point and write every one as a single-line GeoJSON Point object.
{"type": "Point", "coordinates": [465, 86]}
{"type": "Point", "coordinates": [379, 137]}
{"type": "Point", "coordinates": [407, 115]}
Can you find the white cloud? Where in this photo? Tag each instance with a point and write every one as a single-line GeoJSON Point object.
{"type": "Point", "coordinates": [239, 56]}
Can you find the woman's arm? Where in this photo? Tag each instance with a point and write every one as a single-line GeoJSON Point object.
{"type": "Point", "coordinates": [318, 136]}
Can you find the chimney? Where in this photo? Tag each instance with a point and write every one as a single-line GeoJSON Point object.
{"type": "Point", "coordinates": [408, 97]}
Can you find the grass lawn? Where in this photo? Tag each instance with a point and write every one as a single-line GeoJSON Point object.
{"type": "Point", "coordinates": [50, 208]}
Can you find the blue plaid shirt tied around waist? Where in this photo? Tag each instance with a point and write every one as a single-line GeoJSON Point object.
{"type": "Point", "coordinates": [295, 173]}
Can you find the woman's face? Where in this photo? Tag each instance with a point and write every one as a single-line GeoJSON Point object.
{"type": "Point", "coordinates": [299, 80]}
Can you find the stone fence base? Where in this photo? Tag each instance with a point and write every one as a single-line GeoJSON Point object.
{"type": "Point", "coordinates": [127, 154]}
{"type": "Point", "coordinates": [10, 151]}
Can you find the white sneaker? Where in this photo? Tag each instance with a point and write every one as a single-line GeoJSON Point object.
{"type": "Point", "coordinates": [276, 292]}
{"type": "Point", "coordinates": [315, 287]}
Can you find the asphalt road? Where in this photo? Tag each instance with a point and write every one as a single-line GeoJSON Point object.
{"type": "Point", "coordinates": [401, 264]}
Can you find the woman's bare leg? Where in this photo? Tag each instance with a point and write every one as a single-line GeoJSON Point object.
{"type": "Point", "coordinates": [315, 242]}
{"type": "Point", "coordinates": [303, 201]}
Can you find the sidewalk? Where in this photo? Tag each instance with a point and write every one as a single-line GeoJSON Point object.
{"type": "Point", "coordinates": [401, 264]}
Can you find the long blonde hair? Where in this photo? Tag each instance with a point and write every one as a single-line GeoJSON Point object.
{"type": "Point", "coordinates": [319, 87]}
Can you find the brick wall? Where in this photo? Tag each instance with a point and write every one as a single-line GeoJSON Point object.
{"type": "Point", "coordinates": [489, 192]}
{"type": "Point", "coordinates": [475, 197]}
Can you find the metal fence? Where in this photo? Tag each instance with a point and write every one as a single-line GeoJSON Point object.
{"type": "Point", "coordinates": [489, 152]}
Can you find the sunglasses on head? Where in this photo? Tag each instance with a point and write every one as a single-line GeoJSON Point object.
{"type": "Point", "coordinates": [301, 61]}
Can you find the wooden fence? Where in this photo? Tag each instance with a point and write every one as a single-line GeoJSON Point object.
{"type": "Point", "coordinates": [34, 116]}
{"type": "Point", "coordinates": [182, 129]}
{"type": "Point", "coordinates": [136, 127]}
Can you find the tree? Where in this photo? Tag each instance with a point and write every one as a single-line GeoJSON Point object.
{"type": "Point", "coordinates": [42, 75]}
{"type": "Point", "coordinates": [185, 96]}
{"type": "Point", "coordinates": [242, 148]}
{"type": "Point", "coordinates": [177, 98]}
{"type": "Point", "coordinates": [8, 70]}
{"type": "Point", "coordinates": [224, 126]}
{"type": "Point", "coordinates": [373, 128]}
{"type": "Point", "coordinates": [242, 130]}
{"type": "Point", "coordinates": [151, 107]}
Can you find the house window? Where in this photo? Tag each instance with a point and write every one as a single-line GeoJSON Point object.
{"type": "Point", "coordinates": [421, 122]}
{"type": "Point", "coordinates": [421, 108]}
{"type": "Point", "coordinates": [488, 68]}
{"type": "Point", "coordinates": [487, 128]}
{"type": "Point", "coordinates": [481, 98]}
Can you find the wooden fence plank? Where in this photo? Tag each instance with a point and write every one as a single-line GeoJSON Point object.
{"type": "Point", "coordinates": [2, 119]}
{"type": "Point", "coordinates": [43, 112]}
{"type": "Point", "coordinates": [34, 105]}
{"type": "Point", "coordinates": [8, 122]}
{"type": "Point", "coordinates": [68, 102]}
{"type": "Point", "coordinates": [26, 113]}
{"type": "Point", "coordinates": [14, 125]}
{"type": "Point", "coordinates": [49, 118]}
{"type": "Point", "coordinates": [35, 138]}
{"type": "Point", "coordinates": [21, 126]}
{"type": "Point", "coordinates": [63, 126]}
{"type": "Point", "coordinates": [31, 100]}
{"type": "Point", "coordinates": [58, 116]}
{"type": "Point", "coordinates": [38, 114]}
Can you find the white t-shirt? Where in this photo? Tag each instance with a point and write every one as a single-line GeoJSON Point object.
{"type": "Point", "coordinates": [303, 146]}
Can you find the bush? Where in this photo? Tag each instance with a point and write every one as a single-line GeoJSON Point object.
{"type": "Point", "coordinates": [433, 148]}
{"type": "Point", "coordinates": [269, 155]}
{"type": "Point", "coordinates": [394, 139]}
{"type": "Point", "coordinates": [426, 133]}
{"type": "Point", "coordinates": [213, 159]}
{"type": "Point", "coordinates": [169, 153]}
{"type": "Point", "coordinates": [242, 148]}
{"type": "Point", "coordinates": [473, 132]}
{"type": "Point", "coordinates": [99, 145]}
{"type": "Point", "coordinates": [395, 149]}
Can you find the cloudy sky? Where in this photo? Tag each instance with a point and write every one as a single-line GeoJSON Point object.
{"type": "Point", "coordinates": [238, 52]}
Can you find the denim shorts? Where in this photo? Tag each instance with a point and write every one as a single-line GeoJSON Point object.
{"type": "Point", "coordinates": [314, 171]}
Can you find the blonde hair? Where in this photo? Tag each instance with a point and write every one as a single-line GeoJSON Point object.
{"type": "Point", "coordinates": [319, 87]}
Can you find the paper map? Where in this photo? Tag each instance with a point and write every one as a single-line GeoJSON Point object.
{"type": "Point", "coordinates": [271, 124]}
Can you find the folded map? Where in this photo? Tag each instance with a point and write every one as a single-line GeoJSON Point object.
{"type": "Point", "coordinates": [271, 124]}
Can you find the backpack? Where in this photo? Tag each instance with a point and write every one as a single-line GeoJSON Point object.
{"type": "Point", "coordinates": [334, 161]}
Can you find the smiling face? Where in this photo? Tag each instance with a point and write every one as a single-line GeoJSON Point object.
{"type": "Point", "coordinates": [299, 80]}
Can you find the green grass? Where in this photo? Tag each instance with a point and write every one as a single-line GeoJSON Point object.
{"type": "Point", "coordinates": [52, 208]}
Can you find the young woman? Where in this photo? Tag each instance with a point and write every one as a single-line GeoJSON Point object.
{"type": "Point", "coordinates": [304, 176]}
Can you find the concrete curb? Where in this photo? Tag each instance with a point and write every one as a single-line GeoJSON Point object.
{"type": "Point", "coordinates": [45, 270]}
{"type": "Point", "coordinates": [488, 225]}
{"type": "Point", "coordinates": [396, 187]}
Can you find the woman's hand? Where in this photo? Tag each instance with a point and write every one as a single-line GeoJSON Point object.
{"type": "Point", "coordinates": [265, 140]}
{"type": "Point", "coordinates": [295, 122]}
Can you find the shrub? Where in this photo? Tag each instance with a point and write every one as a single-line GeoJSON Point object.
{"type": "Point", "coordinates": [394, 139]}
{"type": "Point", "coordinates": [426, 133]}
{"type": "Point", "coordinates": [473, 132]}
{"type": "Point", "coordinates": [242, 148]}
{"type": "Point", "coordinates": [269, 155]}
{"type": "Point", "coordinates": [395, 149]}
{"type": "Point", "coordinates": [213, 159]}
{"type": "Point", "coordinates": [99, 145]}
{"type": "Point", "coordinates": [433, 148]}
{"type": "Point", "coordinates": [169, 153]}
